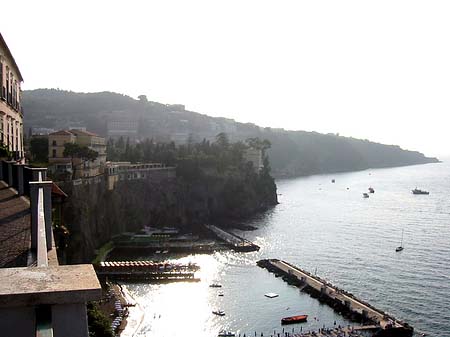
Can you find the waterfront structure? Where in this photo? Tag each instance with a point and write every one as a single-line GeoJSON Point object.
{"type": "Point", "coordinates": [38, 297]}
{"type": "Point", "coordinates": [82, 168]}
{"type": "Point", "coordinates": [11, 113]}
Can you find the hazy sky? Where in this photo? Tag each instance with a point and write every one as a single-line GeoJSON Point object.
{"type": "Point", "coordinates": [370, 69]}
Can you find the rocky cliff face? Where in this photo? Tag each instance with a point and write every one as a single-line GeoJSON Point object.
{"type": "Point", "coordinates": [94, 215]}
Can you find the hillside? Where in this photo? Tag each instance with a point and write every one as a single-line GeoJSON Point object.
{"type": "Point", "coordinates": [293, 153]}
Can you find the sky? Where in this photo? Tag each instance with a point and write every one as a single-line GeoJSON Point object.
{"type": "Point", "coordinates": [377, 70]}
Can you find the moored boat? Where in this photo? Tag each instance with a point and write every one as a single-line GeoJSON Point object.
{"type": "Point", "coordinates": [371, 190]}
{"type": "Point", "coordinates": [219, 313]}
{"type": "Point", "coordinates": [215, 285]}
{"type": "Point", "coordinates": [226, 334]}
{"type": "Point", "coordinates": [365, 195]}
{"type": "Point", "coordinates": [417, 191]}
{"type": "Point", "coordinates": [294, 319]}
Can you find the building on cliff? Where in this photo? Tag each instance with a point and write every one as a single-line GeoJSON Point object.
{"type": "Point", "coordinates": [11, 113]}
{"type": "Point", "coordinates": [254, 156]}
{"type": "Point", "coordinates": [125, 171]}
{"type": "Point", "coordinates": [83, 168]}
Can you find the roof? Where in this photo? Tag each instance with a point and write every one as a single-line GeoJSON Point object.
{"type": "Point", "coordinates": [61, 133]}
{"type": "Point", "coordinates": [3, 43]}
{"type": "Point", "coordinates": [77, 132]}
{"type": "Point", "coordinates": [56, 190]}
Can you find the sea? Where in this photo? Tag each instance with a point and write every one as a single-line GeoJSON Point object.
{"type": "Point", "coordinates": [328, 229]}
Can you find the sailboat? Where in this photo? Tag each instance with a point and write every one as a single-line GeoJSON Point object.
{"type": "Point", "coordinates": [400, 248]}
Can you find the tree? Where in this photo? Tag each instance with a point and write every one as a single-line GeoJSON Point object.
{"type": "Point", "coordinates": [222, 140]}
{"type": "Point", "coordinates": [84, 153]}
{"type": "Point", "coordinates": [39, 149]}
{"type": "Point", "coordinates": [142, 98]}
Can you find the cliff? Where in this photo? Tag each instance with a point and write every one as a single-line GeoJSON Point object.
{"type": "Point", "coordinates": [94, 215]}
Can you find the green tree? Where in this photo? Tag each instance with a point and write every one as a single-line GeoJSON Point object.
{"type": "Point", "coordinates": [84, 153]}
{"type": "Point", "coordinates": [99, 324]}
{"type": "Point", "coordinates": [39, 149]}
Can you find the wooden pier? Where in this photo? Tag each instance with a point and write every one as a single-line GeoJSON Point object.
{"type": "Point", "coordinates": [147, 270]}
{"type": "Point", "coordinates": [233, 241]}
{"type": "Point", "coordinates": [339, 299]}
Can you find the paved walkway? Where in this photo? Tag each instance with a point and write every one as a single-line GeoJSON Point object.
{"type": "Point", "coordinates": [15, 228]}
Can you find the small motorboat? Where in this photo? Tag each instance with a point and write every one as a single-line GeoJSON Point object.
{"type": "Point", "coordinates": [371, 190]}
{"type": "Point", "coordinates": [271, 295]}
{"type": "Point", "coordinates": [215, 285]}
{"type": "Point", "coordinates": [417, 191]}
{"type": "Point", "coordinates": [333, 181]}
{"type": "Point", "coordinates": [219, 312]}
{"type": "Point", "coordinates": [220, 294]}
{"type": "Point", "coordinates": [294, 319]}
{"type": "Point", "coordinates": [399, 249]}
{"type": "Point", "coordinates": [365, 195]}
{"type": "Point", "coordinates": [226, 334]}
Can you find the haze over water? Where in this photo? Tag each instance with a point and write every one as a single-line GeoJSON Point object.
{"type": "Point", "coordinates": [349, 240]}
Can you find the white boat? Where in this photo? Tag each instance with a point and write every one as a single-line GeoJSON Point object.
{"type": "Point", "coordinates": [365, 195]}
{"type": "Point", "coordinates": [271, 295]}
{"type": "Point", "coordinates": [219, 312]}
{"type": "Point", "coordinates": [226, 334]}
{"type": "Point", "coordinates": [215, 285]}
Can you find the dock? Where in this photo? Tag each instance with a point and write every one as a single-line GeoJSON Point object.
{"type": "Point", "coordinates": [234, 241]}
{"type": "Point", "coordinates": [147, 270]}
{"type": "Point", "coordinates": [340, 300]}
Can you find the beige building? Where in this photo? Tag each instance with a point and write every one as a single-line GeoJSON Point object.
{"type": "Point", "coordinates": [11, 114]}
{"type": "Point", "coordinates": [82, 168]}
{"type": "Point", "coordinates": [255, 156]}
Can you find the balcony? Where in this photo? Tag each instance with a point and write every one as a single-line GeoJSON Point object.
{"type": "Point", "coordinates": [38, 297]}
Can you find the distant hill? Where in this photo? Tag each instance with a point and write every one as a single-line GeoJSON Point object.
{"type": "Point", "coordinates": [293, 153]}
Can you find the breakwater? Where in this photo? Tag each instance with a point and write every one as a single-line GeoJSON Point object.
{"type": "Point", "coordinates": [383, 324]}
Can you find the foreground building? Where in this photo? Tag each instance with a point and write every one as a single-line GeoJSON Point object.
{"type": "Point", "coordinates": [11, 114]}
{"type": "Point", "coordinates": [82, 168]}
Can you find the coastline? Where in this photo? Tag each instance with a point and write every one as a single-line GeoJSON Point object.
{"type": "Point", "coordinates": [135, 313]}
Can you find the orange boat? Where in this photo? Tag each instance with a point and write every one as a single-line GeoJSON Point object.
{"type": "Point", "coordinates": [294, 319]}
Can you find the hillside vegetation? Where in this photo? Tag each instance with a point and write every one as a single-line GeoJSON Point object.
{"type": "Point", "coordinates": [293, 153]}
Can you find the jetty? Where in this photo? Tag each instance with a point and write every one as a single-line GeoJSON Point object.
{"type": "Point", "coordinates": [233, 241]}
{"type": "Point", "coordinates": [147, 270]}
{"type": "Point", "coordinates": [381, 323]}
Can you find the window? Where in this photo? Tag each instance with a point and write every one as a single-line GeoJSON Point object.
{"type": "Point", "coordinates": [54, 143]}
{"type": "Point", "coordinates": [54, 153]}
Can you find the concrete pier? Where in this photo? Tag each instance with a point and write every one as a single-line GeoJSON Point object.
{"type": "Point", "coordinates": [147, 270]}
{"type": "Point", "coordinates": [234, 241]}
{"type": "Point", "coordinates": [339, 299]}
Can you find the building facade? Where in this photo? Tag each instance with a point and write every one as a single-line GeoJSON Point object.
{"type": "Point", "coordinates": [80, 167]}
{"type": "Point", "coordinates": [11, 114]}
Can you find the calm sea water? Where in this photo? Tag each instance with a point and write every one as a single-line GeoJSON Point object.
{"type": "Point", "coordinates": [331, 230]}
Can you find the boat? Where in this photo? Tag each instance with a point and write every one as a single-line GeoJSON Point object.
{"type": "Point", "coordinates": [215, 285]}
{"type": "Point", "coordinates": [226, 334]}
{"type": "Point", "coordinates": [417, 191]}
{"type": "Point", "coordinates": [333, 181]}
{"type": "Point", "coordinates": [400, 248]}
{"type": "Point", "coordinates": [294, 319]}
{"type": "Point", "coordinates": [219, 312]}
{"type": "Point", "coordinates": [365, 195]}
{"type": "Point", "coordinates": [220, 294]}
{"type": "Point", "coordinates": [271, 295]}
{"type": "Point", "coordinates": [371, 190]}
